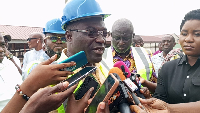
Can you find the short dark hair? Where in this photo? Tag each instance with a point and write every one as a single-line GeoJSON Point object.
{"type": "Point", "coordinates": [8, 37]}
{"type": "Point", "coordinates": [192, 15]}
{"type": "Point", "coordinates": [137, 37]}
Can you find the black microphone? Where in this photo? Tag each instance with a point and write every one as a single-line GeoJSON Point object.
{"type": "Point", "coordinates": [133, 79]}
{"type": "Point", "coordinates": [124, 108]}
{"type": "Point", "coordinates": [123, 70]}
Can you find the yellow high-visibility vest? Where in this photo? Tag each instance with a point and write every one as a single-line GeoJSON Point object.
{"type": "Point", "coordinates": [143, 63]}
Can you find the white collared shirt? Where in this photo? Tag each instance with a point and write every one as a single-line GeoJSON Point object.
{"type": "Point", "coordinates": [157, 61]}
{"type": "Point", "coordinates": [17, 61]}
{"type": "Point", "coordinates": [30, 56]}
{"type": "Point", "coordinates": [9, 78]}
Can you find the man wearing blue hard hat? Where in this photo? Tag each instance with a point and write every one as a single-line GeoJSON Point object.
{"type": "Point", "coordinates": [55, 40]}
{"type": "Point", "coordinates": [85, 31]}
{"type": "Point", "coordinates": [55, 43]}
{"type": "Point", "coordinates": [83, 21]}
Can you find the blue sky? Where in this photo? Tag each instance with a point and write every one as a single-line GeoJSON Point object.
{"type": "Point", "coordinates": [149, 17]}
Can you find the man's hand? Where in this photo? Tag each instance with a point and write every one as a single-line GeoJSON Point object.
{"type": "Point", "coordinates": [142, 80]}
{"type": "Point", "coordinates": [46, 99]}
{"type": "Point", "coordinates": [145, 91]}
{"type": "Point", "coordinates": [151, 105]}
{"type": "Point", "coordinates": [78, 106]}
{"type": "Point", "coordinates": [44, 74]}
{"type": "Point", "coordinates": [103, 108]}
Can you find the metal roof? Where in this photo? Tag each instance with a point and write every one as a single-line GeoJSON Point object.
{"type": "Point", "coordinates": [19, 32]}
{"type": "Point", "coordinates": [22, 33]}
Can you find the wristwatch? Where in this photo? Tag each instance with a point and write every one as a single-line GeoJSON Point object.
{"type": "Point", "coordinates": [10, 56]}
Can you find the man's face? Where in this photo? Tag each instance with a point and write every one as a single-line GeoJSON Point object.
{"type": "Point", "coordinates": [92, 44]}
{"type": "Point", "coordinates": [139, 43]}
{"type": "Point", "coordinates": [32, 43]}
{"type": "Point", "coordinates": [122, 39]}
{"type": "Point", "coordinates": [2, 48]}
{"type": "Point", "coordinates": [167, 43]}
{"type": "Point", "coordinates": [55, 43]}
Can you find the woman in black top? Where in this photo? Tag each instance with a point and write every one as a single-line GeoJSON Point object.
{"type": "Point", "coordinates": [178, 85]}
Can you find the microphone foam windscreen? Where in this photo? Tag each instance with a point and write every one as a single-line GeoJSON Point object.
{"type": "Point", "coordinates": [117, 71]}
{"type": "Point", "coordinates": [119, 64]}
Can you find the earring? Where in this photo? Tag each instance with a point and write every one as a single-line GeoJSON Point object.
{"type": "Point", "coordinates": [37, 41]}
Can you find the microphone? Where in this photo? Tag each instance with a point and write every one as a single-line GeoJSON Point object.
{"type": "Point", "coordinates": [117, 71]}
{"type": "Point", "coordinates": [137, 91]}
{"type": "Point", "coordinates": [131, 79]}
{"type": "Point", "coordinates": [124, 108]}
{"type": "Point", "coordinates": [124, 94]}
{"type": "Point", "coordinates": [121, 98]}
{"type": "Point", "coordinates": [129, 84]}
{"type": "Point", "coordinates": [121, 65]}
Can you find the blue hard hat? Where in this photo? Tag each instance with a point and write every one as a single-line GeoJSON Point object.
{"type": "Point", "coordinates": [79, 9]}
{"type": "Point", "coordinates": [53, 26]}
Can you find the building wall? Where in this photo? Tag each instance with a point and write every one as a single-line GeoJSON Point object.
{"type": "Point", "coordinates": [152, 46]}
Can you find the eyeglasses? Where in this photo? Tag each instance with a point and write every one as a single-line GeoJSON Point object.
{"type": "Point", "coordinates": [91, 32]}
{"type": "Point", "coordinates": [55, 38]}
{"type": "Point", "coordinates": [29, 39]}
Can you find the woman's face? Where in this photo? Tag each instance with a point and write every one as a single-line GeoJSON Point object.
{"type": "Point", "coordinates": [190, 38]}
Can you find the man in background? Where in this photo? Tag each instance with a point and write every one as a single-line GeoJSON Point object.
{"type": "Point", "coordinates": [9, 76]}
{"type": "Point", "coordinates": [168, 42]}
{"type": "Point", "coordinates": [54, 41]}
{"type": "Point", "coordinates": [35, 42]}
{"type": "Point", "coordinates": [138, 41]}
{"type": "Point", "coordinates": [135, 58]}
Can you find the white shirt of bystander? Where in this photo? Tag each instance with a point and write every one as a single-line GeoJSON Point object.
{"type": "Point", "coordinates": [9, 78]}
{"type": "Point", "coordinates": [29, 57]}
{"type": "Point", "coordinates": [157, 61]}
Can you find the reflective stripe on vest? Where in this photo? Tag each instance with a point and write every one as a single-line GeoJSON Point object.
{"type": "Point", "coordinates": [142, 62]}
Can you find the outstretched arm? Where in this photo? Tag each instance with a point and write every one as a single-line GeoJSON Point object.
{"type": "Point", "coordinates": [42, 76]}
{"type": "Point", "coordinates": [150, 85]}
{"type": "Point", "coordinates": [12, 60]}
{"type": "Point", "coordinates": [46, 99]}
{"type": "Point", "coordinates": [154, 105]}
